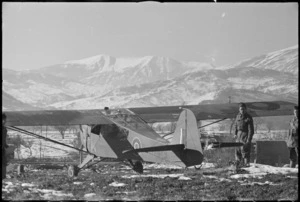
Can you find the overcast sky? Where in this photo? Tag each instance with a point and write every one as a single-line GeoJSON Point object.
{"type": "Point", "coordinates": [36, 35]}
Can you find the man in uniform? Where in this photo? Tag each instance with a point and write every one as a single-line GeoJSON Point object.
{"type": "Point", "coordinates": [244, 131]}
{"type": "Point", "coordinates": [107, 111]}
{"type": "Point", "coordinates": [292, 140]}
{"type": "Point", "coordinates": [4, 146]}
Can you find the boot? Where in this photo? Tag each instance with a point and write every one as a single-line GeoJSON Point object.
{"type": "Point", "coordinates": [237, 165]}
{"type": "Point", "coordinates": [292, 164]}
{"type": "Point", "coordinates": [246, 162]}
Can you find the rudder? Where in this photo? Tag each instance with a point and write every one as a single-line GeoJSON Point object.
{"type": "Point", "coordinates": [186, 131]}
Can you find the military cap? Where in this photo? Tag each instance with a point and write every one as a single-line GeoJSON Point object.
{"type": "Point", "coordinates": [106, 108]}
{"type": "Point", "coordinates": [242, 105]}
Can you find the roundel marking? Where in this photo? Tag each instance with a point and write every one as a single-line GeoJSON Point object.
{"type": "Point", "coordinates": [263, 106]}
{"type": "Point", "coordinates": [136, 143]}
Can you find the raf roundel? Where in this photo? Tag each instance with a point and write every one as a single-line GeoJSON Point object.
{"type": "Point", "coordinates": [263, 106]}
{"type": "Point", "coordinates": [136, 143]}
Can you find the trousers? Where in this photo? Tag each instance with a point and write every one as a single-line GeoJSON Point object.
{"type": "Point", "coordinates": [243, 152]}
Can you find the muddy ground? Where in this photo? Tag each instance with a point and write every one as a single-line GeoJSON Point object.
{"type": "Point", "coordinates": [118, 182]}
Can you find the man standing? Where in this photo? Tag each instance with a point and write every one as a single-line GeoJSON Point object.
{"type": "Point", "coordinates": [244, 131]}
{"type": "Point", "coordinates": [292, 140]}
{"type": "Point", "coordinates": [107, 111]}
{"type": "Point", "coordinates": [4, 146]}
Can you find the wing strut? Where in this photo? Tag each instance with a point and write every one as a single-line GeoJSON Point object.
{"type": "Point", "coordinates": [212, 123]}
{"type": "Point", "coordinates": [44, 138]}
{"type": "Point", "coordinates": [198, 127]}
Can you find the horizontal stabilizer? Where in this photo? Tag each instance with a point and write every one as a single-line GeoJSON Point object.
{"type": "Point", "coordinates": [215, 145]}
{"type": "Point", "coordinates": [176, 147]}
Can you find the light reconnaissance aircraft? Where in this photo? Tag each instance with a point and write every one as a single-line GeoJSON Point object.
{"type": "Point", "coordinates": [125, 133]}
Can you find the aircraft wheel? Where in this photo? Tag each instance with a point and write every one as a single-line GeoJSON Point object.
{"type": "Point", "coordinates": [138, 167]}
{"type": "Point", "coordinates": [73, 171]}
{"type": "Point", "coordinates": [198, 167]}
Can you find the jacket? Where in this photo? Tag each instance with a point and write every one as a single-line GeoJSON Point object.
{"type": "Point", "coordinates": [244, 128]}
{"type": "Point", "coordinates": [292, 140]}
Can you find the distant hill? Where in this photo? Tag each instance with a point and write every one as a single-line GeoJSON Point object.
{"type": "Point", "coordinates": [105, 80]}
{"type": "Point", "coordinates": [10, 103]}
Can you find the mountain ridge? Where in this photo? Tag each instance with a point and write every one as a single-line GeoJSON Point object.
{"type": "Point", "coordinates": [97, 81]}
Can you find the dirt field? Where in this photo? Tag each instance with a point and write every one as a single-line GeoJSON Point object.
{"type": "Point", "coordinates": [119, 182]}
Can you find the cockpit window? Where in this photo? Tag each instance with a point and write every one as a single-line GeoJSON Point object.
{"type": "Point", "coordinates": [96, 129]}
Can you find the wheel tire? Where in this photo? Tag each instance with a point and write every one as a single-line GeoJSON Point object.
{"type": "Point", "coordinates": [73, 171]}
{"type": "Point", "coordinates": [138, 167]}
{"type": "Point", "coordinates": [198, 167]}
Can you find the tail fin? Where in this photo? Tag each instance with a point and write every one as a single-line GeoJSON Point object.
{"type": "Point", "coordinates": [186, 131]}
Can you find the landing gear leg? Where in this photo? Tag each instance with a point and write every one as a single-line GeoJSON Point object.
{"type": "Point", "coordinates": [74, 170]}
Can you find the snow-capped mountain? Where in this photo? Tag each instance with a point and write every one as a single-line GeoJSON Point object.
{"type": "Point", "coordinates": [285, 60]}
{"type": "Point", "coordinates": [104, 80]}
{"type": "Point", "coordinates": [90, 77]}
{"type": "Point", "coordinates": [11, 103]}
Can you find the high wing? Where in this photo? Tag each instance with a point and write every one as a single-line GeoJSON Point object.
{"type": "Point", "coordinates": [214, 111]}
{"type": "Point", "coordinates": [121, 117]}
{"type": "Point", "coordinates": [55, 117]}
{"type": "Point", "coordinates": [147, 114]}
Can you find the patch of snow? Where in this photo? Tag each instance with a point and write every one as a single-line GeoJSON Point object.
{"type": "Point", "coordinates": [161, 166]}
{"type": "Point", "coordinates": [77, 183]}
{"type": "Point", "coordinates": [26, 192]}
{"type": "Point", "coordinates": [7, 190]}
{"type": "Point", "coordinates": [45, 191]}
{"type": "Point", "coordinates": [258, 170]}
{"type": "Point", "coordinates": [10, 186]}
{"type": "Point", "coordinates": [184, 178]}
{"type": "Point", "coordinates": [258, 175]}
{"type": "Point", "coordinates": [117, 184]}
{"type": "Point", "coordinates": [27, 185]}
{"type": "Point", "coordinates": [261, 168]}
{"type": "Point", "coordinates": [207, 165]}
{"type": "Point", "coordinates": [261, 183]}
{"type": "Point", "coordinates": [8, 183]}
{"type": "Point", "coordinates": [224, 179]}
{"type": "Point", "coordinates": [126, 192]}
{"type": "Point", "coordinates": [211, 176]}
{"type": "Point", "coordinates": [89, 195]}
{"type": "Point", "coordinates": [162, 176]}
{"type": "Point", "coordinates": [55, 194]}
{"type": "Point", "coordinates": [292, 177]}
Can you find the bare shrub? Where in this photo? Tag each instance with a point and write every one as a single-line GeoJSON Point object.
{"type": "Point", "coordinates": [28, 144]}
{"type": "Point", "coordinates": [62, 129]}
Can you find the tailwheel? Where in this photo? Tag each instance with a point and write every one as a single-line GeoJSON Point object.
{"type": "Point", "coordinates": [73, 171]}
